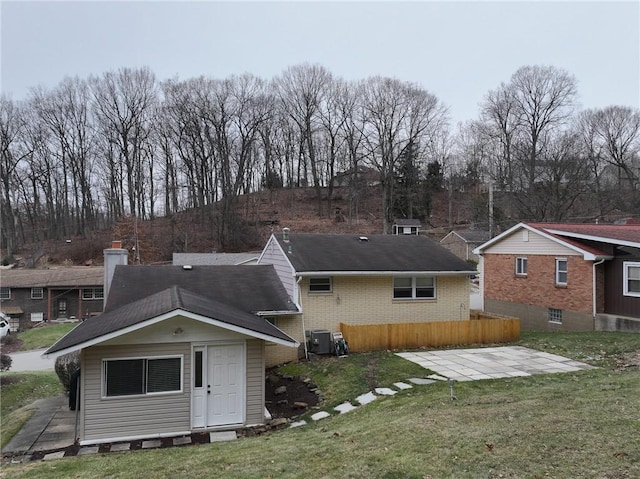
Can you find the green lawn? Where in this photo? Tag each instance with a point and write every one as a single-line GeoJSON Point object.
{"type": "Point", "coordinates": [19, 391]}
{"type": "Point", "coordinates": [44, 336]}
{"type": "Point", "coordinates": [576, 425]}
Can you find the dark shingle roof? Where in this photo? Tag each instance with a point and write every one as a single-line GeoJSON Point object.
{"type": "Point", "coordinates": [407, 222]}
{"type": "Point", "coordinates": [67, 277]}
{"type": "Point", "coordinates": [376, 253]}
{"type": "Point", "coordinates": [473, 236]}
{"type": "Point", "coordinates": [162, 302]}
{"type": "Point", "coordinates": [252, 288]}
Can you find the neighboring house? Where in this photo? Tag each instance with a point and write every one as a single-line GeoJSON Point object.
{"type": "Point", "coordinates": [403, 226]}
{"type": "Point", "coordinates": [177, 350]}
{"type": "Point", "coordinates": [463, 242]}
{"type": "Point", "coordinates": [35, 295]}
{"type": "Point", "coordinates": [212, 259]}
{"type": "Point", "coordinates": [361, 280]}
{"type": "Point", "coordinates": [361, 177]}
{"type": "Point", "coordinates": [570, 277]}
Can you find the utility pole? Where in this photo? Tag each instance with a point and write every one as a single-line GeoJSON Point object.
{"type": "Point", "coordinates": [490, 209]}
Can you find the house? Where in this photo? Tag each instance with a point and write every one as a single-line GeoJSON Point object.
{"type": "Point", "coordinates": [178, 349]}
{"type": "Point", "coordinates": [463, 242]}
{"type": "Point", "coordinates": [403, 226]}
{"type": "Point", "coordinates": [193, 259]}
{"type": "Point", "coordinates": [570, 277]}
{"type": "Point", "coordinates": [360, 177]}
{"type": "Point", "coordinates": [64, 293]}
{"type": "Point", "coordinates": [362, 280]}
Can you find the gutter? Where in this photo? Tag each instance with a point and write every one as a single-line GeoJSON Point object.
{"type": "Point", "coordinates": [384, 273]}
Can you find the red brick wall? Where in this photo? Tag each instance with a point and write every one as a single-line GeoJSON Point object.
{"type": "Point", "coordinates": [538, 288]}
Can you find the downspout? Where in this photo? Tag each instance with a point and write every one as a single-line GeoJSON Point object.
{"type": "Point", "coordinates": [594, 292]}
{"type": "Point", "coordinates": [304, 331]}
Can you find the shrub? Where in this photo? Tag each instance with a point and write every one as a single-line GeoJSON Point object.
{"type": "Point", "coordinates": [65, 367]}
{"type": "Point", "coordinates": [8, 339]}
{"type": "Point", "coordinates": [5, 362]}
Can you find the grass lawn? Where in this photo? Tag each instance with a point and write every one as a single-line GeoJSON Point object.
{"type": "Point", "coordinates": [575, 425]}
{"type": "Point", "coordinates": [44, 336]}
{"type": "Point", "coordinates": [19, 391]}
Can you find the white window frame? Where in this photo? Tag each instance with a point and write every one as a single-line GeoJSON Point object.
{"type": "Point", "coordinates": [414, 288]}
{"type": "Point", "coordinates": [145, 360]}
{"type": "Point", "coordinates": [37, 296]}
{"type": "Point", "coordinates": [321, 283]}
{"type": "Point", "coordinates": [555, 315]}
{"type": "Point", "coordinates": [5, 293]}
{"type": "Point", "coordinates": [626, 267]}
{"type": "Point", "coordinates": [89, 294]}
{"type": "Point", "coordinates": [559, 282]}
{"type": "Point", "coordinates": [522, 265]}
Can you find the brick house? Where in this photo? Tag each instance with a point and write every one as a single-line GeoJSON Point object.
{"type": "Point", "coordinates": [570, 277]}
{"type": "Point", "coordinates": [35, 295]}
{"type": "Point", "coordinates": [362, 280]}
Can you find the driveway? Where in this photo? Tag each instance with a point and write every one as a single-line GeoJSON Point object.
{"type": "Point", "coordinates": [31, 361]}
{"type": "Point", "coordinates": [492, 363]}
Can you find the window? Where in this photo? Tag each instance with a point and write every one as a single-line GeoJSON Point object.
{"type": "Point", "coordinates": [521, 266]}
{"type": "Point", "coordinates": [5, 293]}
{"type": "Point", "coordinates": [92, 293]}
{"type": "Point", "coordinates": [561, 271]}
{"type": "Point", "coordinates": [127, 377]}
{"type": "Point", "coordinates": [420, 287]}
{"type": "Point", "coordinates": [555, 315]}
{"type": "Point", "coordinates": [37, 293]}
{"type": "Point", "coordinates": [320, 285]}
{"type": "Point", "coordinates": [631, 283]}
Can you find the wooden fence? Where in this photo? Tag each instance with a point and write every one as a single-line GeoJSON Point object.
{"type": "Point", "coordinates": [434, 334]}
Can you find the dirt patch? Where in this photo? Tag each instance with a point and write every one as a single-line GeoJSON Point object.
{"type": "Point", "coordinates": [289, 396]}
{"type": "Point", "coordinates": [10, 344]}
{"type": "Point", "coordinates": [627, 360]}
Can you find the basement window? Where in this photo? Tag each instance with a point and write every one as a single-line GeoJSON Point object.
{"type": "Point", "coordinates": [555, 315]}
{"type": "Point", "coordinates": [631, 280]}
{"type": "Point", "coordinates": [320, 284]}
{"type": "Point", "coordinates": [142, 376]}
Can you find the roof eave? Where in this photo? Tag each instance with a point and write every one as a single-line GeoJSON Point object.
{"type": "Point", "coordinates": [383, 273]}
{"type": "Point", "coordinates": [157, 319]}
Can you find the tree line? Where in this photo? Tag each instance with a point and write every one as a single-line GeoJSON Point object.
{"type": "Point", "coordinates": [90, 151]}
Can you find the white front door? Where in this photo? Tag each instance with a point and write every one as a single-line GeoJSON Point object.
{"type": "Point", "coordinates": [218, 389]}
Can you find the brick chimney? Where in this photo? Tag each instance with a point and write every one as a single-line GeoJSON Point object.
{"type": "Point", "coordinates": [114, 256]}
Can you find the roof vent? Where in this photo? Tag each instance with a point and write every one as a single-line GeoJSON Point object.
{"type": "Point", "coordinates": [187, 267]}
{"type": "Point", "coordinates": [363, 238]}
{"type": "Point", "coordinates": [285, 234]}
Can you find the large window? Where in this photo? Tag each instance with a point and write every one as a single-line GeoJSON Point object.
{"type": "Point", "coordinates": [92, 293]}
{"type": "Point", "coordinates": [562, 270]}
{"type": "Point", "coordinates": [5, 293]}
{"type": "Point", "coordinates": [631, 281]}
{"type": "Point", "coordinates": [418, 287]}
{"type": "Point", "coordinates": [37, 293]}
{"type": "Point", "coordinates": [127, 377]}
{"type": "Point", "coordinates": [320, 285]}
{"type": "Point", "coordinates": [521, 266]}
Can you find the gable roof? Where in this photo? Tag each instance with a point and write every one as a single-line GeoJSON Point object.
{"type": "Point", "coordinates": [157, 307]}
{"type": "Point", "coordinates": [212, 259]}
{"type": "Point", "coordinates": [470, 236]}
{"type": "Point", "coordinates": [64, 277]}
{"type": "Point", "coordinates": [589, 252]}
{"type": "Point", "coordinates": [623, 235]}
{"type": "Point", "coordinates": [379, 254]}
{"type": "Point", "coordinates": [252, 288]}
{"type": "Point", "coordinates": [407, 222]}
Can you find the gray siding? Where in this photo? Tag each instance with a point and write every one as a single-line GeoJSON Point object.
{"type": "Point", "coordinates": [255, 382]}
{"type": "Point", "coordinates": [136, 416]}
{"type": "Point", "coordinates": [272, 254]}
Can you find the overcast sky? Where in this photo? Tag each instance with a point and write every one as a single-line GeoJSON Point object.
{"type": "Point", "coordinates": [458, 50]}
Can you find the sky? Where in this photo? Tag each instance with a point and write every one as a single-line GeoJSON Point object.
{"type": "Point", "coordinates": [457, 50]}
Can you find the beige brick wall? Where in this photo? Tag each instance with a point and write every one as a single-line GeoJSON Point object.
{"type": "Point", "coordinates": [368, 300]}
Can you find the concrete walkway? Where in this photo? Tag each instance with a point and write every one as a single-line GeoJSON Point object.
{"type": "Point", "coordinates": [492, 363]}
